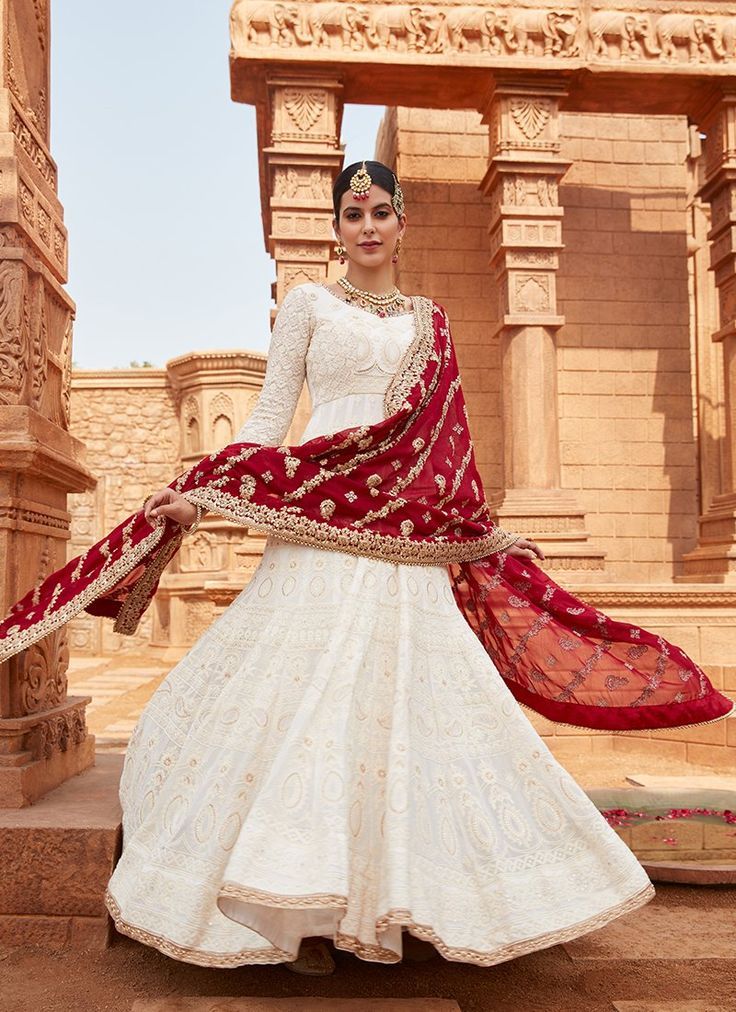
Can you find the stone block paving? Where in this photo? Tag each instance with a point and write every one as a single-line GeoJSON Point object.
{"type": "Point", "coordinates": [668, 1006]}
{"type": "Point", "coordinates": [676, 954]}
{"type": "Point", "coordinates": [297, 1005]}
{"type": "Point", "coordinates": [682, 933]}
{"type": "Point", "coordinates": [120, 688]}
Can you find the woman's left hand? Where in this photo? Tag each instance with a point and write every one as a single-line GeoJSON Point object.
{"type": "Point", "coordinates": [525, 549]}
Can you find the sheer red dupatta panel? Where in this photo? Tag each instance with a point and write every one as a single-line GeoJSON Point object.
{"type": "Point", "coordinates": [573, 664]}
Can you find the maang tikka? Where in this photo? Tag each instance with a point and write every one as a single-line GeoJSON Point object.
{"type": "Point", "coordinates": [361, 182]}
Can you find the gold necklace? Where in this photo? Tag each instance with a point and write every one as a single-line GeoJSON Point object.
{"type": "Point", "coordinates": [389, 304]}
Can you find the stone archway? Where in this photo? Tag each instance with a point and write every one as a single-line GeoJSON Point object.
{"type": "Point", "coordinates": [520, 67]}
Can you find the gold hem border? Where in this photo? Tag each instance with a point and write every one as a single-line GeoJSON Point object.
{"type": "Point", "coordinates": [366, 951]}
{"type": "Point", "coordinates": [634, 730]}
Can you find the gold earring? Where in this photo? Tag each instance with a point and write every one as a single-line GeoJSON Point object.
{"type": "Point", "coordinates": [340, 251]}
{"type": "Point", "coordinates": [397, 250]}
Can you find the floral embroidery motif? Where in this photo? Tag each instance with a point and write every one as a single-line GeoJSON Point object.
{"type": "Point", "coordinates": [247, 488]}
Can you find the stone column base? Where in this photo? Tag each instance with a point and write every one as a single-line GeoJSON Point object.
{"type": "Point", "coordinates": [552, 518]}
{"type": "Point", "coordinates": [56, 859]}
{"type": "Point", "coordinates": [714, 560]}
{"type": "Point", "coordinates": [42, 750]}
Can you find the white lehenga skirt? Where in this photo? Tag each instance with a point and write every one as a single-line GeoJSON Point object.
{"type": "Point", "coordinates": [337, 755]}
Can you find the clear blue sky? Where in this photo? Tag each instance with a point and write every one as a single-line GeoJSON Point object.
{"type": "Point", "coordinates": [158, 175]}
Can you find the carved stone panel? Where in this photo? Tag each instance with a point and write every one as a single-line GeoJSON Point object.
{"type": "Point", "coordinates": [41, 670]}
{"type": "Point", "coordinates": [26, 62]}
{"type": "Point", "coordinates": [15, 331]}
{"type": "Point", "coordinates": [502, 33]}
{"type": "Point", "coordinates": [302, 113]}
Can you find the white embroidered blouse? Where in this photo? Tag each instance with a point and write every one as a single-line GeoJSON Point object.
{"type": "Point", "coordinates": [347, 354]}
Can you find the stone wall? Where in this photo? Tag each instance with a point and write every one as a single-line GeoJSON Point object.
{"type": "Point", "coordinates": [439, 157]}
{"type": "Point", "coordinates": [629, 393]}
{"type": "Point", "coordinates": [127, 418]}
{"type": "Point", "coordinates": [627, 434]}
{"type": "Point", "coordinates": [138, 427]}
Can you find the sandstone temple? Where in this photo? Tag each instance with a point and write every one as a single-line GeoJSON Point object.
{"type": "Point", "coordinates": [570, 180]}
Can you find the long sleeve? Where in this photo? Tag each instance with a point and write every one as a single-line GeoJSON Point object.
{"type": "Point", "coordinates": [270, 419]}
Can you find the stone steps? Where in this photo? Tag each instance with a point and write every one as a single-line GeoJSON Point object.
{"type": "Point", "coordinates": [213, 1004]}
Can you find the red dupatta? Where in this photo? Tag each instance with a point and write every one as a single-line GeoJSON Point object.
{"type": "Point", "coordinates": [405, 490]}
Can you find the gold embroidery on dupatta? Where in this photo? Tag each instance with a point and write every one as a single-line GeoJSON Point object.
{"type": "Point", "coordinates": [286, 522]}
{"type": "Point", "coordinates": [401, 483]}
{"type": "Point", "coordinates": [17, 639]}
{"type": "Point", "coordinates": [414, 360]}
{"type": "Point", "coordinates": [390, 548]}
{"type": "Point", "coordinates": [303, 531]}
{"type": "Point", "coordinates": [137, 601]}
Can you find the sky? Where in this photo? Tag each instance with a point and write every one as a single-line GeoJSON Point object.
{"type": "Point", "coordinates": [158, 176]}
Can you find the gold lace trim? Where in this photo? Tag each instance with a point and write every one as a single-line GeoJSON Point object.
{"type": "Point", "coordinates": [109, 577]}
{"type": "Point", "coordinates": [137, 601]}
{"type": "Point", "coordinates": [632, 730]}
{"type": "Point", "coordinates": [303, 531]}
{"type": "Point", "coordinates": [270, 954]}
{"type": "Point", "coordinates": [365, 950]}
{"type": "Point", "coordinates": [415, 358]}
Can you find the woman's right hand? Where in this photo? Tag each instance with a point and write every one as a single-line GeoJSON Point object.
{"type": "Point", "coordinates": [168, 502]}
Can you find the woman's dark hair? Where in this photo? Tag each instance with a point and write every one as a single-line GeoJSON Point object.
{"type": "Point", "coordinates": [380, 174]}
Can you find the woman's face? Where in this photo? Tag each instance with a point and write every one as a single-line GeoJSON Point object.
{"type": "Point", "coordinates": [368, 229]}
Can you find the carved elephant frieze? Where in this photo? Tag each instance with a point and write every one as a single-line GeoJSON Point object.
{"type": "Point", "coordinates": [632, 34]}
{"type": "Point", "coordinates": [466, 24]}
{"type": "Point", "coordinates": [411, 28]}
{"type": "Point", "coordinates": [351, 25]}
{"type": "Point", "coordinates": [552, 30]}
{"type": "Point", "coordinates": [503, 30]}
{"type": "Point", "coordinates": [724, 41]}
{"type": "Point", "coordinates": [279, 22]}
{"type": "Point", "coordinates": [700, 36]}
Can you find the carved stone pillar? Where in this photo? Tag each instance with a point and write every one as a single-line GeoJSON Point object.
{"type": "Point", "coordinates": [525, 238]}
{"type": "Point", "coordinates": [703, 317]}
{"type": "Point", "coordinates": [43, 733]}
{"type": "Point", "coordinates": [715, 557]}
{"type": "Point", "coordinates": [301, 156]}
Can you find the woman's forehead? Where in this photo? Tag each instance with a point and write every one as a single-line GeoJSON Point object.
{"type": "Point", "coordinates": [376, 197]}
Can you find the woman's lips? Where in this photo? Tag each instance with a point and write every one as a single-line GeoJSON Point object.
{"type": "Point", "coordinates": [369, 245]}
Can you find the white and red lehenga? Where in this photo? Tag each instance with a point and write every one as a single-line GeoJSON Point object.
{"type": "Point", "coordinates": [342, 752]}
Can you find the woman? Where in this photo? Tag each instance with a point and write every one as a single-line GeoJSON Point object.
{"type": "Point", "coordinates": [338, 756]}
